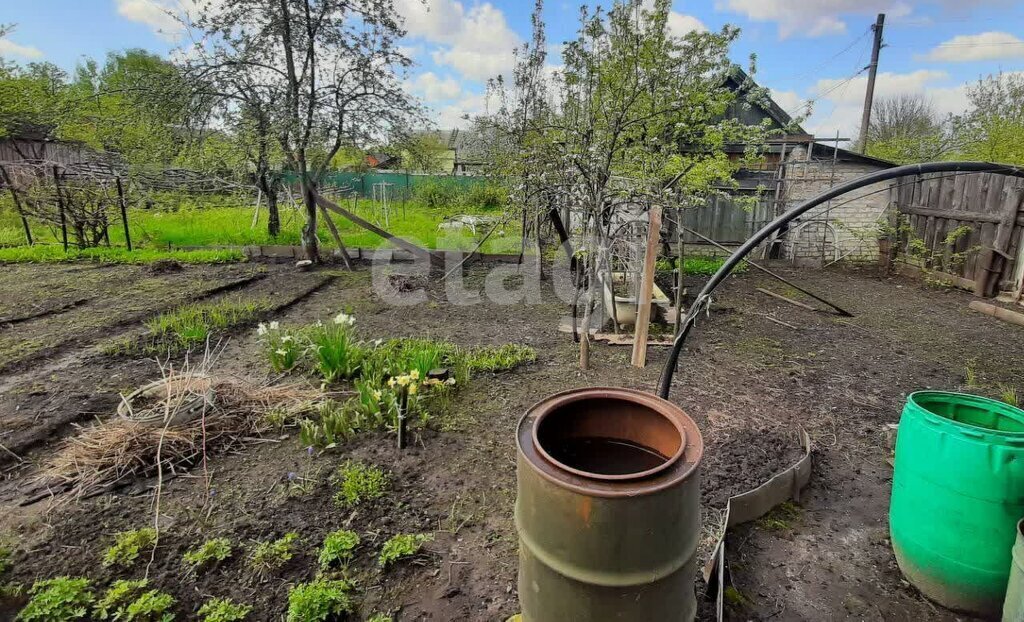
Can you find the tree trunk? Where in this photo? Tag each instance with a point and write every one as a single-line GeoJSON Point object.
{"type": "Point", "coordinates": [270, 191]}
{"type": "Point", "coordinates": [310, 243]}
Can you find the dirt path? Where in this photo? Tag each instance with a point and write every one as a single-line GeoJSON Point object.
{"type": "Point", "coordinates": [749, 383]}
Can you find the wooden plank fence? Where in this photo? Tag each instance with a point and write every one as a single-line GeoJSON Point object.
{"type": "Point", "coordinates": [967, 227]}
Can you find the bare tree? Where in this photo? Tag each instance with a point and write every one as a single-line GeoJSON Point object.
{"type": "Point", "coordinates": [906, 128]}
{"type": "Point", "coordinates": [323, 72]}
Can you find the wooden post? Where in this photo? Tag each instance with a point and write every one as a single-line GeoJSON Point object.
{"type": "Point", "coordinates": [336, 236]}
{"type": "Point", "coordinates": [17, 204]}
{"type": "Point", "coordinates": [124, 214]}
{"type": "Point", "coordinates": [680, 273]}
{"type": "Point", "coordinates": [991, 260]}
{"type": "Point", "coordinates": [643, 314]}
{"type": "Point", "coordinates": [60, 208]}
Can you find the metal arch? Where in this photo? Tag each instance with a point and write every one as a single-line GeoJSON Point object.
{"type": "Point", "coordinates": [704, 297]}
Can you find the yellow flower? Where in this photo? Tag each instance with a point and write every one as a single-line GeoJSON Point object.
{"type": "Point", "coordinates": [415, 374]}
{"type": "Point", "coordinates": [391, 381]}
{"type": "Point", "coordinates": [403, 381]}
{"type": "Point", "coordinates": [377, 395]}
{"type": "Point", "coordinates": [413, 388]}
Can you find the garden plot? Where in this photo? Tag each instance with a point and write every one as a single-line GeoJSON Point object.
{"type": "Point", "coordinates": [427, 532]}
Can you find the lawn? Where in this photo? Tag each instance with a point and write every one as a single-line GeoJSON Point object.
{"type": "Point", "coordinates": [233, 226]}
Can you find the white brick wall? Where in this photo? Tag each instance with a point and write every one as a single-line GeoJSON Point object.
{"type": "Point", "coordinates": [844, 228]}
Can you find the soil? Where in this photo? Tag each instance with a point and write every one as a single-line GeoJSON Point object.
{"type": "Point", "coordinates": [750, 384]}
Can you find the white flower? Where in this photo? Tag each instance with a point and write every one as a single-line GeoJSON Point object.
{"type": "Point", "coordinates": [274, 325]}
{"type": "Point", "coordinates": [286, 338]}
{"type": "Point", "coordinates": [344, 319]}
{"type": "Point", "coordinates": [261, 329]}
{"type": "Point", "coordinates": [377, 342]}
{"type": "Point", "coordinates": [281, 352]}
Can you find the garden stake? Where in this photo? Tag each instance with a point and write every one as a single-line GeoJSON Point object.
{"type": "Point", "coordinates": [403, 405]}
{"type": "Point", "coordinates": [60, 208]}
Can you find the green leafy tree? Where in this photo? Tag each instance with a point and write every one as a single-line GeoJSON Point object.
{"type": "Point", "coordinates": [992, 128]}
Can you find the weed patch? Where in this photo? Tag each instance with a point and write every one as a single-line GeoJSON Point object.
{"type": "Point", "coordinates": [61, 599]}
{"type": "Point", "coordinates": [268, 556]}
{"type": "Point", "coordinates": [130, 601]}
{"type": "Point", "coordinates": [207, 554]}
{"type": "Point", "coordinates": [401, 546]}
{"type": "Point", "coordinates": [223, 610]}
{"type": "Point", "coordinates": [358, 483]}
{"type": "Point", "coordinates": [319, 600]}
{"type": "Point", "coordinates": [128, 545]}
{"type": "Point", "coordinates": [191, 325]}
{"type": "Point", "coordinates": [501, 358]}
{"type": "Point", "coordinates": [338, 548]}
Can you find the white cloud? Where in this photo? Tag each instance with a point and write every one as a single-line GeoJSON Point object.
{"type": "Point", "coordinates": [10, 48]}
{"type": "Point", "coordinates": [838, 106]}
{"type": "Point", "coordinates": [812, 18]}
{"type": "Point", "coordinates": [434, 88]}
{"type": "Point", "coordinates": [159, 15]}
{"type": "Point", "coordinates": [791, 102]}
{"type": "Point", "coordinates": [680, 24]}
{"type": "Point", "coordinates": [460, 114]}
{"type": "Point", "coordinates": [477, 42]}
{"type": "Point", "coordinates": [982, 46]}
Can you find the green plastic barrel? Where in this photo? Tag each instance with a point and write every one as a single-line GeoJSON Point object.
{"type": "Point", "coordinates": [957, 494]}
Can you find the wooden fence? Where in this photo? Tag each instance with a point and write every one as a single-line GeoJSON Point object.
{"type": "Point", "coordinates": [725, 220]}
{"type": "Point", "coordinates": [966, 227]}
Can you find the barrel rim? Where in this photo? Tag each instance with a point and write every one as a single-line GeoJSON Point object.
{"type": "Point", "coordinates": [683, 468]}
{"type": "Point", "coordinates": [1002, 408]}
{"type": "Point", "coordinates": [542, 410]}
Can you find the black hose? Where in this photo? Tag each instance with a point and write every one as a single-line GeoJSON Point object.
{"type": "Point", "coordinates": [704, 297]}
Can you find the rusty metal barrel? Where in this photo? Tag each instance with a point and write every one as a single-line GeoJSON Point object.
{"type": "Point", "coordinates": [608, 508]}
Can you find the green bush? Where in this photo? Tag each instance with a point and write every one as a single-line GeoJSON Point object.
{"type": "Point", "coordinates": [332, 423]}
{"type": "Point", "coordinates": [436, 193]}
{"type": "Point", "coordinates": [319, 600]}
{"type": "Point", "coordinates": [61, 599]}
{"type": "Point", "coordinates": [338, 548]}
{"type": "Point", "coordinates": [401, 546]}
{"type": "Point", "coordinates": [128, 545]}
{"type": "Point", "coordinates": [223, 610]}
{"type": "Point", "coordinates": [359, 483]}
{"type": "Point", "coordinates": [486, 196]}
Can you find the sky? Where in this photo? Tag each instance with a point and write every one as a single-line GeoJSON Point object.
{"type": "Point", "coordinates": [809, 52]}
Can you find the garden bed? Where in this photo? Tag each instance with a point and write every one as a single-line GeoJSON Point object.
{"type": "Point", "coordinates": [750, 384]}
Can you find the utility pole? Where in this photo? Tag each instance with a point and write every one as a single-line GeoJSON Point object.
{"type": "Point", "coordinates": [869, 96]}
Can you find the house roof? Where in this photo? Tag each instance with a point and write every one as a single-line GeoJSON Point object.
{"type": "Point", "coordinates": [824, 151]}
{"type": "Point", "coordinates": [741, 83]}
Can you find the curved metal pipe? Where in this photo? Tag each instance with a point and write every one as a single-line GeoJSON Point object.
{"type": "Point", "coordinates": [704, 297]}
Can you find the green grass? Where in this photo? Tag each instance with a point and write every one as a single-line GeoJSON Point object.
{"type": "Point", "coordinates": [190, 325]}
{"type": "Point", "coordinates": [55, 254]}
{"type": "Point", "coordinates": [232, 226]}
{"type": "Point", "coordinates": [698, 265]}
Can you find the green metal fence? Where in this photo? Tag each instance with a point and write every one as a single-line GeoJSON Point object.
{"type": "Point", "coordinates": [397, 185]}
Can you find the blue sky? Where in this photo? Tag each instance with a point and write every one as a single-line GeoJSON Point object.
{"type": "Point", "coordinates": [806, 49]}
